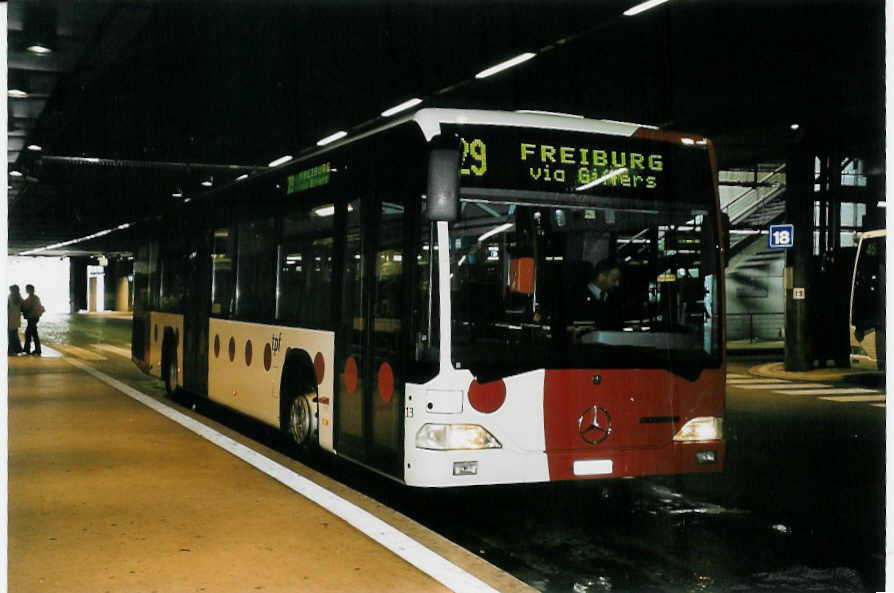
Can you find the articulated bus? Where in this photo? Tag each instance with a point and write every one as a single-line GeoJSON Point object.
{"type": "Point", "coordinates": [867, 310]}
{"type": "Point", "coordinates": [410, 299]}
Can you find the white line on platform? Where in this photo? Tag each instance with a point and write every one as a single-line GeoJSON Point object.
{"type": "Point", "coordinates": [737, 376]}
{"type": "Point", "coordinates": [755, 380]}
{"type": "Point", "coordinates": [429, 562]}
{"type": "Point", "coordinates": [830, 391]}
{"type": "Point", "coordinates": [856, 398]}
{"type": "Point", "coordinates": [877, 405]}
{"type": "Point", "coordinates": [786, 386]}
{"type": "Point", "coordinates": [125, 352]}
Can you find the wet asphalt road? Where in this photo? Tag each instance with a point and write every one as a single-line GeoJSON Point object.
{"type": "Point", "coordinates": [800, 506]}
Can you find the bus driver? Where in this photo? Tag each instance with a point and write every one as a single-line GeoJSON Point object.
{"type": "Point", "coordinates": [600, 299]}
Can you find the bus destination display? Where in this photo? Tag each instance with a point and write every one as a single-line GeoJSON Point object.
{"type": "Point", "coordinates": [569, 162]}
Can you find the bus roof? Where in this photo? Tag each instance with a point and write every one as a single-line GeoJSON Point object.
{"type": "Point", "coordinates": [431, 119]}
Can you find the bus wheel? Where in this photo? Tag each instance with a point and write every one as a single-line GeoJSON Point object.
{"type": "Point", "coordinates": [300, 421]}
{"type": "Point", "coordinates": [169, 370]}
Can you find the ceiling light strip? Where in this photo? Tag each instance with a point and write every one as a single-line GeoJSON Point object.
{"type": "Point", "coordinates": [402, 107]}
{"type": "Point", "coordinates": [519, 59]}
{"type": "Point", "coordinates": [95, 235]}
{"type": "Point", "coordinates": [332, 138]}
{"type": "Point", "coordinates": [643, 7]}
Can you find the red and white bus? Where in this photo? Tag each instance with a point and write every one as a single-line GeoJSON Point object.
{"type": "Point", "coordinates": [410, 298]}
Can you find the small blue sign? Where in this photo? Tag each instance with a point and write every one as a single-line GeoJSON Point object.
{"type": "Point", "coordinates": [782, 236]}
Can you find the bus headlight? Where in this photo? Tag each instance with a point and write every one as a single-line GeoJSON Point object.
{"type": "Point", "coordinates": [703, 428]}
{"type": "Point", "coordinates": [443, 437]}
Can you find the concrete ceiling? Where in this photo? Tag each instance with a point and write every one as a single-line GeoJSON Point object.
{"type": "Point", "coordinates": [151, 87]}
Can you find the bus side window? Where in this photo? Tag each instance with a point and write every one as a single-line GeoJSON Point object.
{"type": "Point", "coordinates": [304, 294]}
{"type": "Point", "coordinates": [172, 282]}
{"type": "Point", "coordinates": [154, 272]}
{"type": "Point", "coordinates": [141, 279]}
{"type": "Point", "coordinates": [255, 270]}
{"type": "Point", "coordinates": [222, 248]}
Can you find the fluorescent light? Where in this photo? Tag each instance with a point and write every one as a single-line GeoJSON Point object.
{"type": "Point", "coordinates": [177, 195]}
{"type": "Point", "coordinates": [15, 173]}
{"type": "Point", "coordinates": [643, 7]}
{"type": "Point", "coordinates": [882, 204]}
{"type": "Point", "coordinates": [40, 50]}
{"type": "Point", "coordinates": [17, 93]}
{"type": "Point", "coordinates": [500, 229]}
{"type": "Point", "coordinates": [795, 126]}
{"type": "Point", "coordinates": [241, 177]}
{"type": "Point", "coordinates": [95, 235]}
{"type": "Point", "coordinates": [402, 107]}
{"type": "Point", "coordinates": [281, 160]}
{"type": "Point", "coordinates": [332, 138]}
{"type": "Point", "coordinates": [208, 183]}
{"type": "Point", "coordinates": [688, 141]}
{"type": "Point", "coordinates": [325, 211]}
{"type": "Point", "coordinates": [35, 147]}
{"type": "Point", "coordinates": [602, 179]}
{"type": "Point", "coordinates": [504, 65]}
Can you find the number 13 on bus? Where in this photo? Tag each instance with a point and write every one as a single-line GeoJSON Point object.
{"type": "Point", "coordinates": [457, 298]}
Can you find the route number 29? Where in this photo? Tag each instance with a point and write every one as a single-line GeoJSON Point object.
{"type": "Point", "coordinates": [474, 161]}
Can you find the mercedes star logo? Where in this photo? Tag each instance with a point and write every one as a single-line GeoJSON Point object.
{"type": "Point", "coordinates": [594, 425]}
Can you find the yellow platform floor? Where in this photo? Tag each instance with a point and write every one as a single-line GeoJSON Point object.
{"type": "Point", "coordinates": [106, 494]}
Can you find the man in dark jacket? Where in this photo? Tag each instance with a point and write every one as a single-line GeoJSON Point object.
{"type": "Point", "coordinates": [32, 309]}
{"type": "Point", "coordinates": [600, 299]}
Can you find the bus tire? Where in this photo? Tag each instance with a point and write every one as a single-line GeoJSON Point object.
{"type": "Point", "coordinates": [169, 368]}
{"type": "Point", "coordinates": [300, 421]}
{"type": "Point", "coordinates": [298, 400]}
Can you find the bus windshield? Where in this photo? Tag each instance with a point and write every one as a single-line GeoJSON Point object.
{"type": "Point", "coordinates": [594, 285]}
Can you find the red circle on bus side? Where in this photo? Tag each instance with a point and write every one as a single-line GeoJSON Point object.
{"type": "Point", "coordinates": [248, 353]}
{"type": "Point", "coordinates": [351, 377]}
{"type": "Point", "coordinates": [386, 382]}
{"type": "Point", "coordinates": [320, 367]}
{"type": "Point", "coordinates": [487, 397]}
{"type": "Point", "coordinates": [216, 346]}
{"type": "Point", "coordinates": [232, 349]}
{"type": "Point", "coordinates": [268, 357]}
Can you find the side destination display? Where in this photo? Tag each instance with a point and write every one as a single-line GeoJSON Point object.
{"type": "Point", "coordinates": [574, 162]}
{"type": "Point", "coordinates": [308, 178]}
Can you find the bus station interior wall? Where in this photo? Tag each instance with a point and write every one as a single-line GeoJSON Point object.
{"type": "Point", "coordinates": [49, 275]}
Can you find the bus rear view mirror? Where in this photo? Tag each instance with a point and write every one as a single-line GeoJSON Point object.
{"type": "Point", "coordinates": [443, 185]}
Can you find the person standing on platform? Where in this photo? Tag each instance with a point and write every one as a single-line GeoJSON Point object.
{"type": "Point", "coordinates": [14, 315]}
{"type": "Point", "coordinates": [32, 309]}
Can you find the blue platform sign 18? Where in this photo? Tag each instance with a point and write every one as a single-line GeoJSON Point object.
{"type": "Point", "coordinates": [782, 236]}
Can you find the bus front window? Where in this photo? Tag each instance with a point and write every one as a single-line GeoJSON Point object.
{"type": "Point", "coordinates": [548, 286]}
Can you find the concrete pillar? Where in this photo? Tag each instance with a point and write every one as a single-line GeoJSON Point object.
{"type": "Point", "coordinates": [798, 260]}
{"type": "Point", "coordinates": [122, 295]}
{"type": "Point", "coordinates": [91, 294]}
{"type": "Point", "coordinates": [77, 283]}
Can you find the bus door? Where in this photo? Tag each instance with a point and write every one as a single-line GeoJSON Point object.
{"type": "Point", "coordinates": [196, 308]}
{"type": "Point", "coordinates": [388, 328]}
{"type": "Point", "coordinates": [352, 341]}
{"type": "Point", "coordinates": [369, 426]}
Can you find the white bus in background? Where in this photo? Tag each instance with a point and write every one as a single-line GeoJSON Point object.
{"type": "Point", "coordinates": [867, 314]}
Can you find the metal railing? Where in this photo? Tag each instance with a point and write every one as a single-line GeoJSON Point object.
{"type": "Point", "coordinates": [765, 189]}
{"type": "Point", "coordinates": [754, 327]}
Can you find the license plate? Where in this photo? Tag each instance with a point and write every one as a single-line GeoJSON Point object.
{"type": "Point", "coordinates": [593, 467]}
